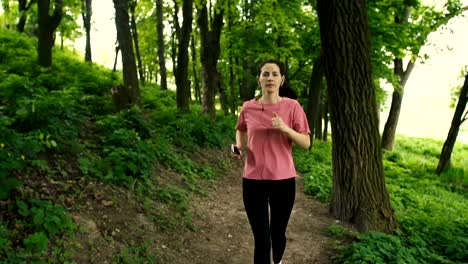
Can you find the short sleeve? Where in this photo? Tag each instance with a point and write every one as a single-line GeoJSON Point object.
{"type": "Point", "coordinates": [300, 123]}
{"type": "Point", "coordinates": [241, 124]}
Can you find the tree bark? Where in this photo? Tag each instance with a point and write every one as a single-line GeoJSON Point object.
{"type": "Point", "coordinates": [359, 195]}
{"type": "Point", "coordinates": [457, 120]}
{"type": "Point", "coordinates": [210, 49]}
{"type": "Point", "coordinates": [134, 32]}
{"type": "Point", "coordinates": [124, 37]}
{"type": "Point", "coordinates": [47, 26]}
{"type": "Point", "coordinates": [182, 82]}
{"type": "Point", "coordinates": [161, 47]}
{"type": "Point", "coordinates": [86, 13]}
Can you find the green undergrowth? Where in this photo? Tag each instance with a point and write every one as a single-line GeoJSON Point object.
{"type": "Point", "coordinates": [59, 125]}
{"type": "Point", "coordinates": [432, 209]}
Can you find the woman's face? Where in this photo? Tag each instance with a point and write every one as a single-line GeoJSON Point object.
{"type": "Point", "coordinates": [270, 78]}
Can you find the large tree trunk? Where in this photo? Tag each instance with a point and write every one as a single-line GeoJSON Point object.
{"type": "Point", "coordinates": [86, 13]}
{"type": "Point", "coordinates": [457, 120]}
{"type": "Point", "coordinates": [47, 26]}
{"type": "Point", "coordinates": [161, 47]}
{"type": "Point", "coordinates": [182, 83]}
{"type": "Point", "coordinates": [210, 49]}
{"type": "Point", "coordinates": [314, 94]}
{"type": "Point", "coordinates": [359, 194]}
{"type": "Point", "coordinates": [134, 31]}
{"type": "Point", "coordinates": [124, 37]}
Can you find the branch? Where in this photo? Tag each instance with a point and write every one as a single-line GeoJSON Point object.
{"type": "Point", "coordinates": [465, 117]}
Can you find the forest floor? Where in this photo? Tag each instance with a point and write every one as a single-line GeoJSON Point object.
{"type": "Point", "coordinates": [219, 233]}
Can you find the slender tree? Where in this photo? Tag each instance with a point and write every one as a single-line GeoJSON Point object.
{"type": "Point", "coordinates": [161, 48]}
{"type": "Point", "coordinates": [134, 30]}
{"type": "Point", "coordinates": [86, 13]}
{"type": "Point", "coordinates": [195, 71]}
{"type": "Point", "coordinates": [314, 96]}
{"type": "Point", "coordinates": [359, 194]}
{"type": "Point", "coordinates": [389, 132]}
{"type": "Point", "coordinates": [181, 76]}
{"type": "Point", "coordinates": [412, 35]}
{"type": "Point", "coordinates": [459, 117]}
{"type": "Point", "coordinates": [23, 8]}
{"type": "Point", "coordinates": [130, 89]}
{"type": "Point", "coordinates": [47, 26]}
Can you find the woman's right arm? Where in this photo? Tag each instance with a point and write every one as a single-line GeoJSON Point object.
{"type": "Point", "coordinates": [241, 138]}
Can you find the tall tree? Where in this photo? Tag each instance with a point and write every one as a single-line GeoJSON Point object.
{"type": "Point", "coordinates": [47, 26]}
{"type": "Point", "coordinates": [210, 36]}
{"type": "Point", "coordinates": [130, 90]}
{"type": "Point", "coordinates": [404, 26]}
{"type": "Point", "coordinates": [161, 52]}
{"type": "Point", "coordinates": [134, 30]}
{"type": "Point", "coordinates": [181, 75]}
{"type": "Point", "coordinates": [314, 96]}
{"type": "Point", "coordinates": [388, 135]}
{"type": "Point", "coordinates": [86, 13]}
{"type": "Point", "coordinates": [359, 194]}
{"type": "Point", "coordinates": [459, 117]}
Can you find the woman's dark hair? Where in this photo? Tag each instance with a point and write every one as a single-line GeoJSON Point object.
{"type": "Point", "coordinates": [285, 90]}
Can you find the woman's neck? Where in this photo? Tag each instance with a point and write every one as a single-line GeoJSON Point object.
{"type": "Point", "coordinates": [270, 99]}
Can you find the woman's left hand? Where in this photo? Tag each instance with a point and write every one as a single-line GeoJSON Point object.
{"type": "Point", "coordinates": [278, 123]}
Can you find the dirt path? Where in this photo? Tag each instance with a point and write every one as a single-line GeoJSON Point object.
{"type": "Point", "coordinates": [222, 233]}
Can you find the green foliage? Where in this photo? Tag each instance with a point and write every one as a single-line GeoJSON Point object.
{"type": "Point", "coordinates": [317, 169]}
{"type": "Point", "coordinates": [432, 210]}
{"type": "Point", "coordinates": [336, 230]}
{"type": "Point", "coordinates": [36, 224]}
{"type": "Point", "coordinates": [137, 254]}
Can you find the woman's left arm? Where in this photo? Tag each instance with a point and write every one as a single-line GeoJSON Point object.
{"type": "Point", "coordinates": [301, 139]}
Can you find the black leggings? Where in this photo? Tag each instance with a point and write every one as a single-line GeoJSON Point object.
{"type": "Point", "coordinates": [280, 196]}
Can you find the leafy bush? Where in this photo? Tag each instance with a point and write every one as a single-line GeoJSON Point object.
{"type": "Point", "coordinates": [317, 169]}
{"type": "Point", "coordinates": [37, 222]}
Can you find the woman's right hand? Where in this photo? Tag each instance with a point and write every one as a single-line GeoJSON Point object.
{"type": "Point", "coordinates": [236, 151]}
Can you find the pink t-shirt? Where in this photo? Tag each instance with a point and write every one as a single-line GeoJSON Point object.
{"type": "Point", "coordinates": [269, 151]}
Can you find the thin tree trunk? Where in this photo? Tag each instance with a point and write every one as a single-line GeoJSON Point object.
{"type": "Point", "coordinates": [325, 120]}
{"type": "Point", "coordinates": [161, 47]}
{"type": "Point", "coordinates": [124, 37]}
{"type": "Point", "coordinates": [389, 133]}
{"type": "Point", "coordinates": [210, 49]}
{"type": "Point", "coordinates": [175, 37]}
{"type": "Point", "coordinates": [457, 120]}
{"type": "Point", "coordinates": [23, 8]}
{"type": "Point", "coordinates": [117, 49]}
{"type": "Point", "coordinates": [47, 26]}
{"type": "Point", "coordinates": [182, 83]}
{"type": "Point", "coordinates": [86, 13]}
{"type": "Point", "coordinates": [198, 96]}
{"type": "Point", "coordinates": [134, 31]}
{"type": "Point", "coordinates": [314, 94]}
{"type": "Point", "coordinates": [359, 194]}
